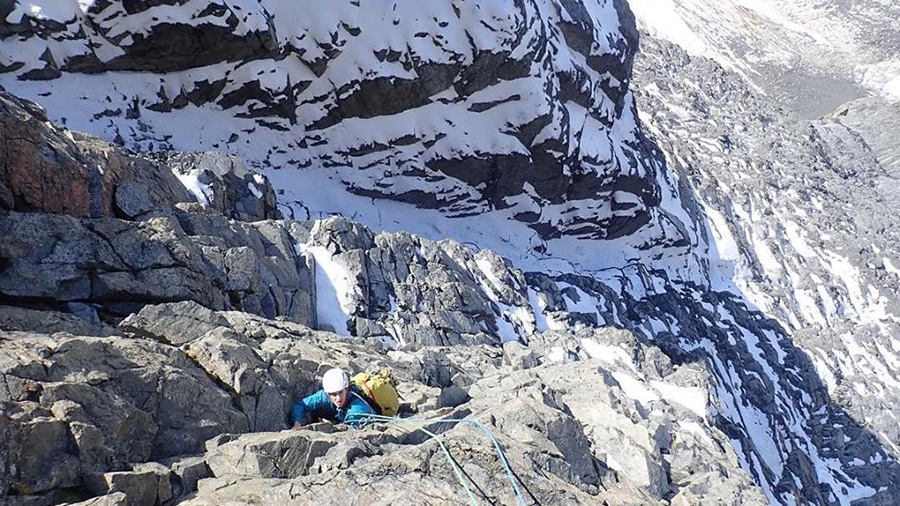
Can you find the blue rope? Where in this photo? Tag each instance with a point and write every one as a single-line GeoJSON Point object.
{"type": "Point", "coordinates": [456, 467]}
{"type": "Point", "coordinates": [483, 427]}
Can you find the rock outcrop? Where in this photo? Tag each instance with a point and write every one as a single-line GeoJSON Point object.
{"type": "Point", "coordinates": [45, 168]}
{"type": "Point", "coordinates": [96, 410]}
{"type": "Point", "coordinates": [117, 266]}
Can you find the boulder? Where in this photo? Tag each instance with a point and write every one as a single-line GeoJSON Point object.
{"type": "Point", "coordinates": [114, 499]}
{"type": "Point", "coordinates": [176, 323]}
{"type": "Point", "coordinates": [148, 486]}
{"type": "Point", "coordinates": [44, 168]}
{"type": "Point", "coordinates": [39, 166]}
{"type": "Point", "coordinates": [235, 363]}
{"type": "Point", "coordinates": [224, 184]}
{"type": "Point", "coordinates": [287, 454]}
{"type": "Point", "coordinates": [188, 470]}
{"type": "Point", "coordinates": [40, 455]}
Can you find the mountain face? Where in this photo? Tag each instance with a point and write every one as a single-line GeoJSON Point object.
{"type": "Point", "coordinates": [650, 225]}
{"type": "Point", "coordinates": [804, 211]}
{"type": "Point", "coordinates": [153, 359]}
{"type": "Point", "coordinates": [808, 205]}
{"type": "Point", "coordinates": [520, 106]}
{"type": "Point", "coordinates": [807, 55]}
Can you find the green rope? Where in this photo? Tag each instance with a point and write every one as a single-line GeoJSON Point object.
{"type": "Point", "coordinates": [483, 427]}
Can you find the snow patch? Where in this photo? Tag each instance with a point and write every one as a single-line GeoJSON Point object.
{"type": "Point", "coordinates": [607, 354]}
{"type": "Point", "coordinates": [635, 389]}
{"type": "Point", "coordinates": [692, 398]}
{"type": "Point", "coordinates": [333, 285]}
{"type": "Point", "coordinates": [202, 192]}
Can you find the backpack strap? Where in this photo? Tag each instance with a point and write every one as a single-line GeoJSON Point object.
{"type": "Point", "coordinates": [366, 401]}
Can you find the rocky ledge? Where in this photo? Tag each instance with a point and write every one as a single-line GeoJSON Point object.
{"type": "Point", "coordinates": [183, 405]}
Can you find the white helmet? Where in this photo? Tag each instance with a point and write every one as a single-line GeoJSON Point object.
{"type": "Point", "coordinates": [334, 381]}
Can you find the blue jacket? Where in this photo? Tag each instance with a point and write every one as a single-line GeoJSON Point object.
{"type": "Point", "coordinates": [318, 405]}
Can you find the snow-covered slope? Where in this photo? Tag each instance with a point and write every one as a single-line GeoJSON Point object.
{"type": "Point", "coordinates": [802, 217]}
{"type": "Point", "coordinates": [512, 126]}
{"type": "Point", "coordinates": [810, 55]}
{"type": "Point", "coordinates": [462, 107]}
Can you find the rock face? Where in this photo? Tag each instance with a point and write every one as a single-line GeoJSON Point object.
{"type": "Point", "coordinates": [223, 184]}
{"type": "Point", "coordinates": [333, 274]}
{"type": "Point", "coordinates": [48, 170]}
{"type": "Point", "coordinates": [44, 168]}
{"type": "Point", "coordinates": [872, 119]}
{"type": "Point", "coordinates": [527, 105]}
{"type": "Point", "coordinates": [119, 266]}
{"type": "Point", "coordinates": [94, 407]}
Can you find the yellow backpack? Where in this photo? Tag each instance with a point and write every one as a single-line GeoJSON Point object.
{"type": "Point", "coordinates": [379, 388]}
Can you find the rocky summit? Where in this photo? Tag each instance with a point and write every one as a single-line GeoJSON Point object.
{"type": "Point", "coordinates": [607, 258]}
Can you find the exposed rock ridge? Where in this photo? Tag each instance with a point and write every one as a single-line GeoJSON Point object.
{"type": "Point", "coordinates": [46, 168]}
{"type": "Point", "coordinates": [95, 409]}
{"type": "Point", "coordinates": [394, 289]}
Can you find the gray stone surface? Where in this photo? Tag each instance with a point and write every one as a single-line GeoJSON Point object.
{"type": "Point", "coordinates": [587, 434]}
{"type": "Point", "coordinates": [82, 405]}
{"type": "Point", "coordinates": [189, 471]}
{"type": "Point", "coordinates": [570, 430]}
{"type": "Point", "coordinates": [429, 298]}
{"type": "Point", "coordinates": [110, 262]}
{"type": "Point", "coordinates": [49, 322]}
{"type": "Point", "coordinates": [182, 322]}
{"type": "Point", "coordinates": [114, 499]}
{"type": "Point", "coordinates": [142, 488]}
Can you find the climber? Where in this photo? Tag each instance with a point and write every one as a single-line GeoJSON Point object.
{"type": "Point", "coordinates": [337, 402]}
